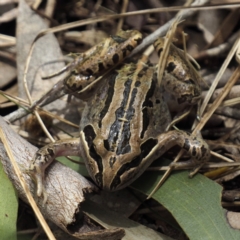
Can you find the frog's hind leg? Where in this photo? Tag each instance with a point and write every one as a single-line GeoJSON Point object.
{"type": "Point", "coordinates": [183, 91]}
{"type": "Point", "coordinates": [196, 147]}
{"type": "Point", "coordinates": [198, 162]}
{"type": "Point", "coordinates": [155, 147]}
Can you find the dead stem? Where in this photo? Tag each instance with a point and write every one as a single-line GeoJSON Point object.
{"type": "Point", "coordinates": [123, 10]}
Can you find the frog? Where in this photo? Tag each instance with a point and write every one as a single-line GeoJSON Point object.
{"type": "Point", "coordinates": [123, 125]}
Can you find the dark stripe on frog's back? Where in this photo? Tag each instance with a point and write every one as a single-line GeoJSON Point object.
{"type": "Point", "coordinates": [108, 100]}
{"type": "Point", "coordinates": [141, 84]}
{"type": "Point", "coordinates": [98, 104]}
{"type": "Point", "coordinates": [126, 110]}
{"type": "Point", "coordinates": [118, 125]}
{"type": "Point", "coordinates": [147, 103]}
{"type": "Point", "coordinates": [123, 144]}
{"type": "Point", "coordinates": [155, 112]}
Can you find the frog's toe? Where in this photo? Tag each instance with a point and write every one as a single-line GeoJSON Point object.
{"type": "Point", "coordinates": [39, 185]}
{"type": "Point", "coordinates": [37, 175]}
{"type": "Point", "coordinates": [203, 154]}
{"type": "Point", "coordinates": [199, 150]}
{"type": "Point", "coordinates": [41, 192]}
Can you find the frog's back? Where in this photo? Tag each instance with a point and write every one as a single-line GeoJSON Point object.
{"type": "Point", "coordinates": [129, 106]}
{"type": "Point", "coordinates": [121, 124]}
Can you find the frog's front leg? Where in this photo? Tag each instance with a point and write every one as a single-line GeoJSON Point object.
{"type": "Point", "coordinates": [44, 157]}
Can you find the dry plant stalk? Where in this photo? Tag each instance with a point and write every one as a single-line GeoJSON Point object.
{"type": "Point", "coordinates": [164, 54]}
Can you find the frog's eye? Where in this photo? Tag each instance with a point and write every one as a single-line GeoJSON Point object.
{"type": "Point", "coordinates": [115, 58]}
{"type": "Point", "coordinates": [89, 71]}
{"type": "Point", "coordinates": [170, 67]}
{"type": "Point", "coordinates": [129, 48]}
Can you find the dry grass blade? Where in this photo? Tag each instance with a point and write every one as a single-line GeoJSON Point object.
{"type": "Point", "coordinates": [206, 166]}
{"type": "Point", "coordinates": [50, 7]}
{"type": "Point", "coordinates": [25, 187]}
{"type": "Point", "coordinates": [218, 100]}
{"type": "Point", "coordinates": [219, 75]}
{"type": "Point", "coordinates": [15, 100]}
{"type": "Point", "coordinates": [238, 54]}
{"type": "Point", "coordinates": [231, 102]}
{"type": "Point", "coordinates": [221, 157]}
{"type": "Point", "coordinates": [10, 41]}
{"type": "Point", "coordinates": [228, 103]}
{"type": "Point", "coordinates": [164, 54]}
{"type": "Point", "coordinates": [43, 126]}
{"type": "Point", "coordinates": [36, 4]}
{"type": "Point", "coordinates": [176, 120]}
{"type": "Point", "coordinates": [123, 10]}
{"type": "Point", "coordinates": [23, 104]}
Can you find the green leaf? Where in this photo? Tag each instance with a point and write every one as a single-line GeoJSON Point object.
{"type": "Point", "coordinates": [80, 168]}
{"type": "Point", "coordinates": [8, 208]}
{"type": "Point", "coordinates": [195, 204]}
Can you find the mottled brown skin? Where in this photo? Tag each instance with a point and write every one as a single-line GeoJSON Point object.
{"type": "Point", "coordinates": [122, 129]}
{"type": "Point", "coordinates": [106, 54]}
{"type": "Point", "coordinates": [120, 143]}
{"type": "Point", "coordinates": [180, 78]}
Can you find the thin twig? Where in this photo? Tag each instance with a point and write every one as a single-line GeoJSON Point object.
{"type": "Point", "coordinates": [123, 10]}
{"type": "Point", "coordinates": [218, 77]}
{"type": "Point", "coordinates": [205, 166]}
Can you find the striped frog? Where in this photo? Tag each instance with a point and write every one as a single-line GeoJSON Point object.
{"type": "Point", "coordinates": [122, 129]}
